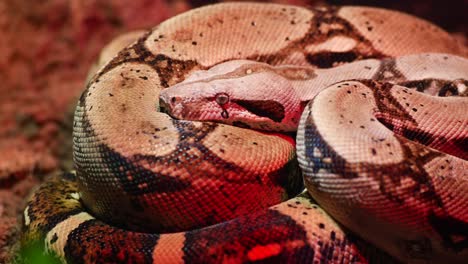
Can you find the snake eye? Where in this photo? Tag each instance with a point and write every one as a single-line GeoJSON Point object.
{"type": "Point", "coordinates": [222, 98]}
{"type": "Point", "coordinates": [175, 99]}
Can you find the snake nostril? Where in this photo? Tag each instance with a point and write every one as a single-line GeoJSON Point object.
{"type": "Point", "coordinates": [163, 106]}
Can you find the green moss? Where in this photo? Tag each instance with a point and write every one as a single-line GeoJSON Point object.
{"type": "Point", "coordinates": [34, 253]}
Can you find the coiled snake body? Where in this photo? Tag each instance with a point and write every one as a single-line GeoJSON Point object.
{"type": "Point", "coordinates": [388, 162]}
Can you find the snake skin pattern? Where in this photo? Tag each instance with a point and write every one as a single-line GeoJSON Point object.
{"type": "Point", "coordinates": [382, 158]}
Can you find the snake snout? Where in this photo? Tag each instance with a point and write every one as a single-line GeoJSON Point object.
{"type": "Point", "coordinates": [169, 105]}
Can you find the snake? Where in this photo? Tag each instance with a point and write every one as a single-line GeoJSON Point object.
{"type": "Point", "coordinates": [267, 133]}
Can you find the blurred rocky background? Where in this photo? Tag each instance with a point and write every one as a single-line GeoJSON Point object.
{"type": "Point", "coordinates": [46, 49]}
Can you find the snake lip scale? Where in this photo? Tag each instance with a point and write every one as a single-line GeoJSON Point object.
{"type": "Point", "coordinates": [284, 135]}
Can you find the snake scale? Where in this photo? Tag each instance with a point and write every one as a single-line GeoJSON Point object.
{"type": "Point", "coordinates": [375, 99]}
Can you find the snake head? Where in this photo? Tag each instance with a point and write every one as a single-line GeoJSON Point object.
{"type": "Point", "coordinates": [241, 93]}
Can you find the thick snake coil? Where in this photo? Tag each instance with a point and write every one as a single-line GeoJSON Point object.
{"type": "Point", "coordinates": [380, 153]}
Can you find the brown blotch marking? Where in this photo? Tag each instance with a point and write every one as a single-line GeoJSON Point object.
{"type": "Point", "coordinates": [328, 59]}
{"type": "Point", "coordinates": [324, 17]}
{"type": "Point", "coordinates": [388, 71]}
{"type": "Point", "coordinates": [446, 87]}
{"type": "Point", "coordinates": [388, 106]}
{"type": "Point", "coordinates": [328, 20]}
{"type": "Point", "coordinates": [415, 158]}
{"type": "Point", "coordinates": [453, 231]}
{"type": "Point", "coordinates": [169, 70]}
{"type": "Point", "coordinates": [389, 110]}
{"type": "Point", "coordinates": [175, 70]}
{"type": "Point", "coordinates": [54, 238]}
{"type": "Point", "coordinates": [190, 140]}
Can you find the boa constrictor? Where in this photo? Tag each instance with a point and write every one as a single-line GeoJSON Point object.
{"type": "Point", "coordinates": [149, 188]}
